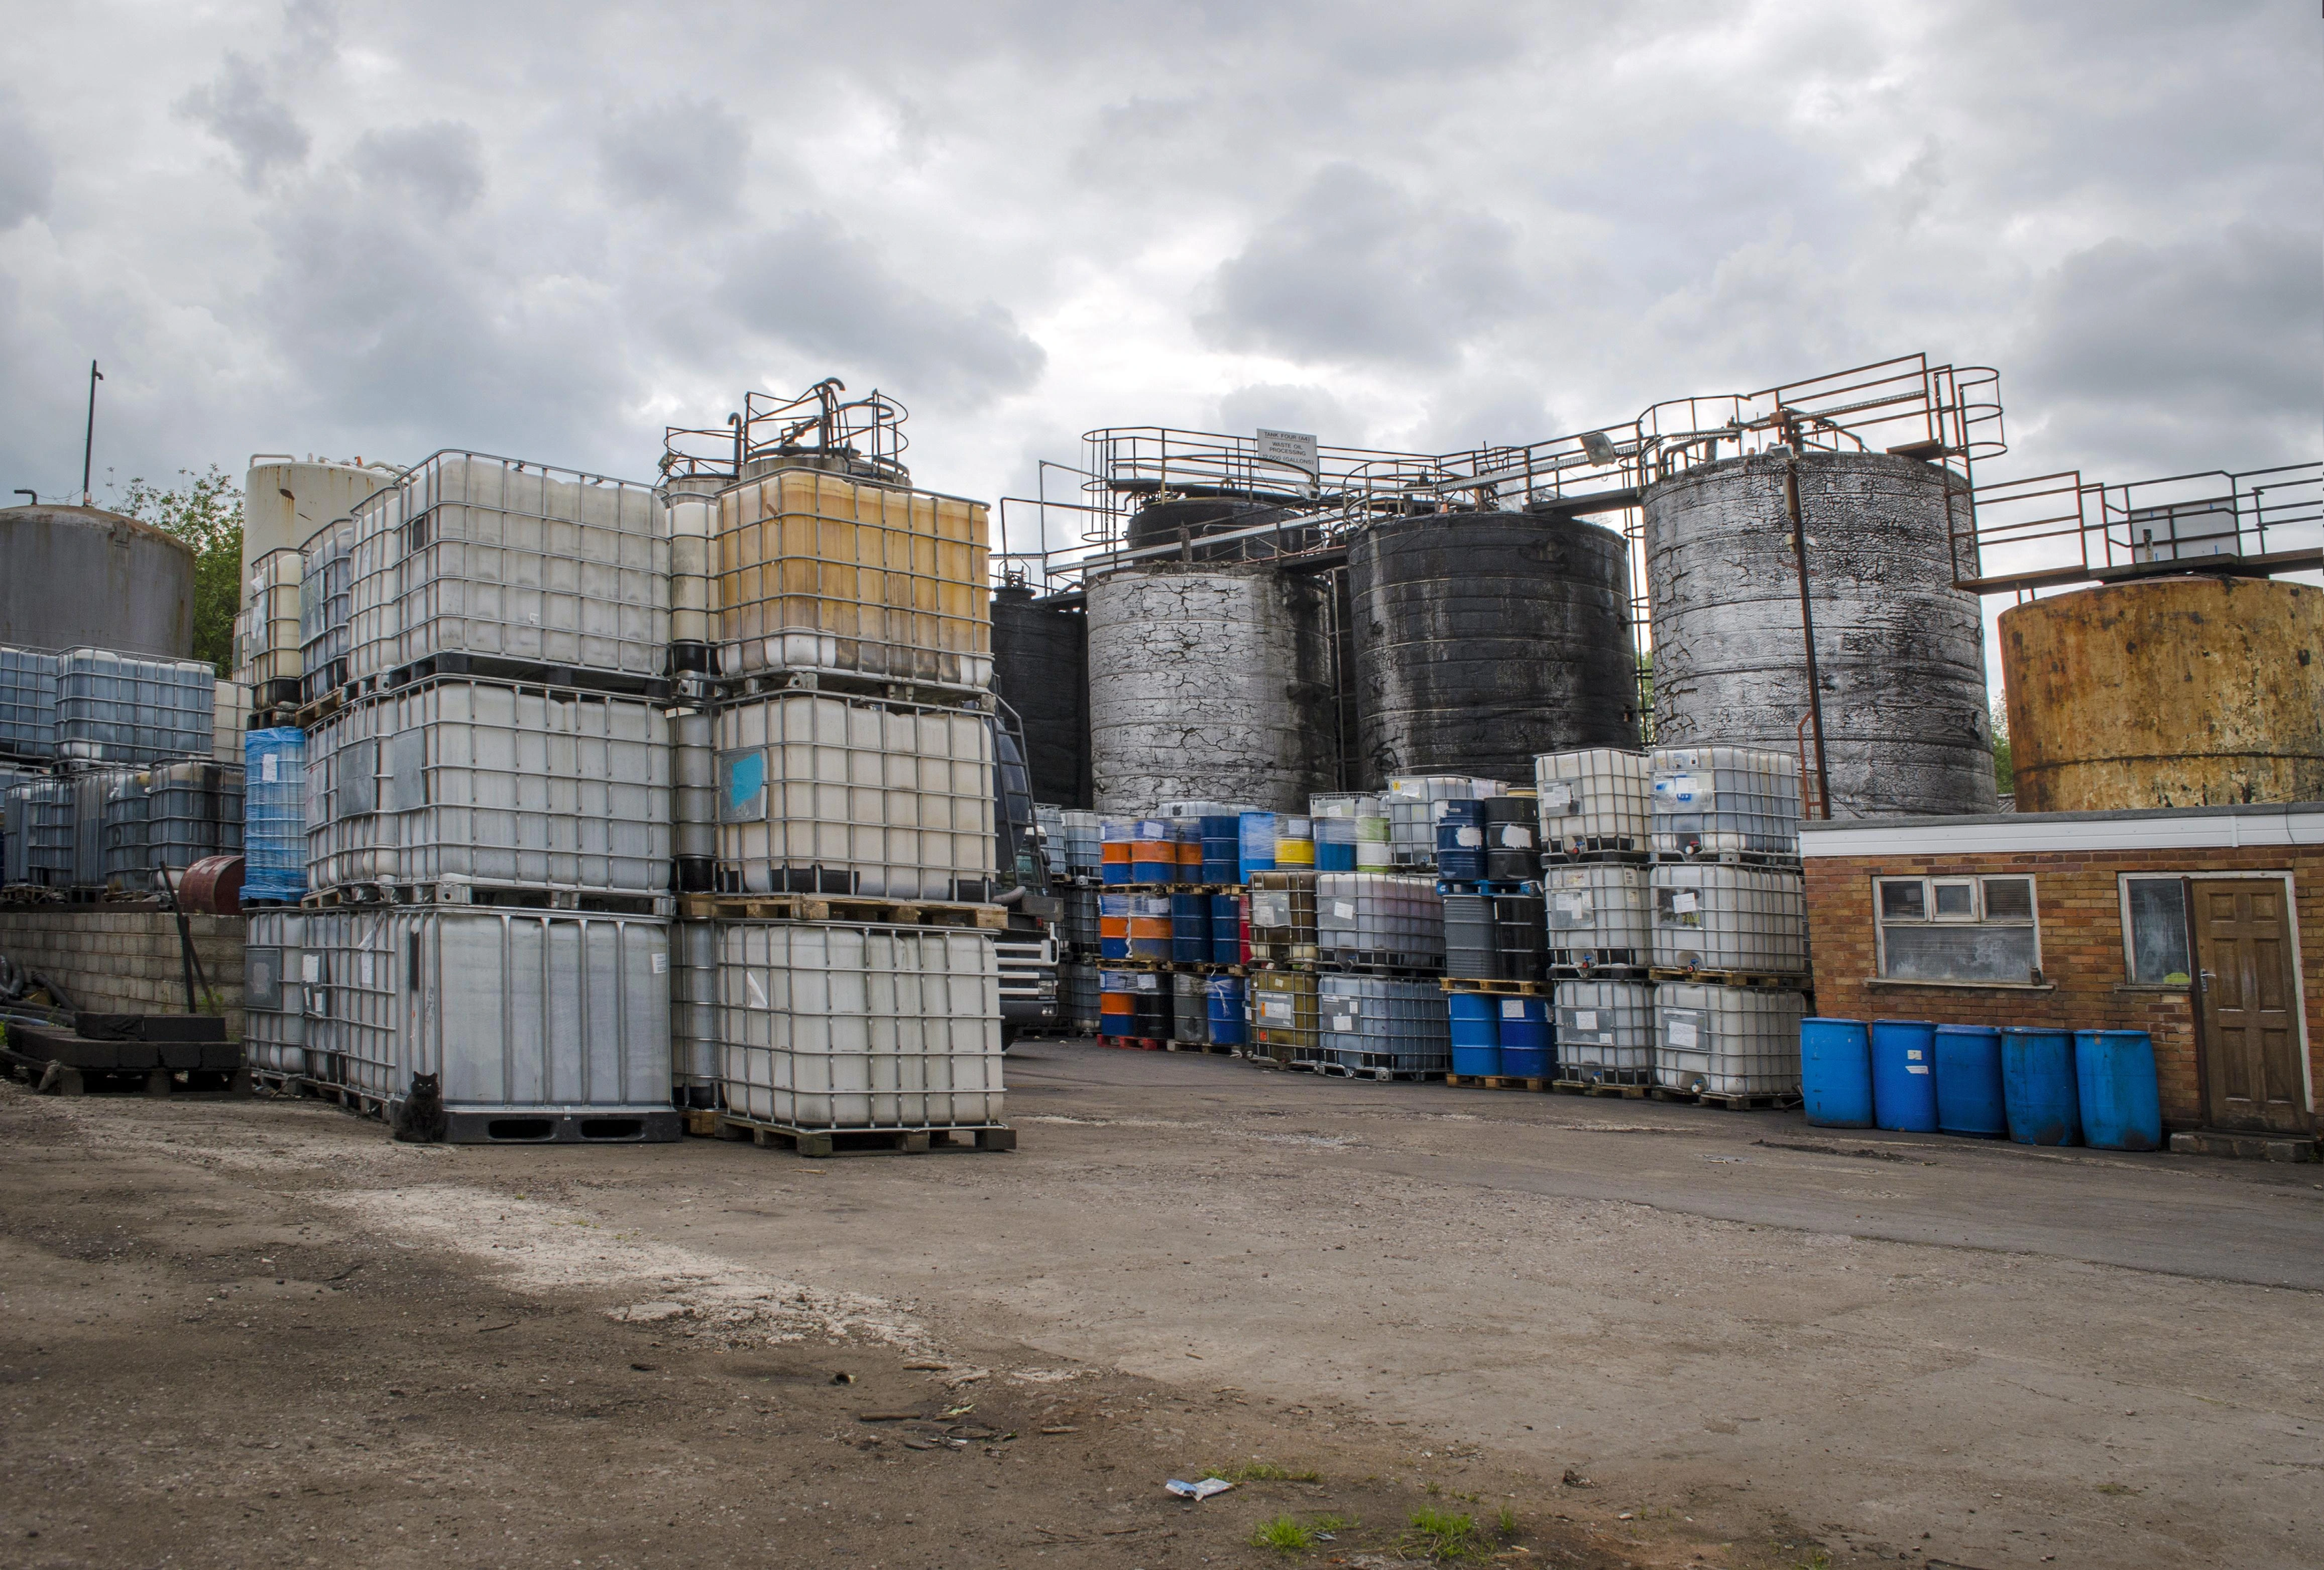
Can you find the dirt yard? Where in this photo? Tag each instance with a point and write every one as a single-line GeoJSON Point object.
{"type": "Point", "coordinates": [1604, 1333]}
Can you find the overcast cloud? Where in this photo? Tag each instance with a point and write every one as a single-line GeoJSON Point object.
{"type": "Point", "coordinates": [550, 230]}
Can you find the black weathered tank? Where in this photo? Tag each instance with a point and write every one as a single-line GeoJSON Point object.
{"type": "Point", "coordinates": [1040, 669]}
{"type": "Point", "coordinates": [1485, 638]}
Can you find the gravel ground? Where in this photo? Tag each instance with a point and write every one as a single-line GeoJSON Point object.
{"type": "Point", "coordinates": [260, 1332]}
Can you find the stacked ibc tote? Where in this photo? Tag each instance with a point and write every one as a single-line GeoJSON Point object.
{"type": "Point", "coordinates": [840, 981]}
{"type": "Point", "coordinates": [486, 808]}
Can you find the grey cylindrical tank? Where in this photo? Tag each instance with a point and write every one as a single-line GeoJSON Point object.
{"type": "Point", "coordinates": [1484, 639]}
{"type": "Point", "coordinates": [1203, 685]}
{"type": "Point", "coordinates": [81, 576]}
{"type": "Point", "coordinates": [1040, 669]}
{"type": "Point", "coordinates": [1900, 651]}
{"type": "Point", "coordinates": [1173, 519]}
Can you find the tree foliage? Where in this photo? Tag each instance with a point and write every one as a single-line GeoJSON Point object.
{"type": "Point", "coordinates": [2005, 777]}
{"type": "Point", "coordinates": [206, 513]}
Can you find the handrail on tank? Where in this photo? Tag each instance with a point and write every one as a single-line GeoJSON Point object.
{"type": "Point", "coordinates": [2053, 529]}
{"type": "Point", "coordinates": [866, 430]}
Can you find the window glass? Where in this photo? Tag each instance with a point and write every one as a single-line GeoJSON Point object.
{"type": "Point", "coordinates": [1961, 953]}
{"type": "Point", "coordinates": [2009, 899]}
{"type": "Point", "coordinates": [1959, 929]}
{"type": "Point", "coordinates": [2157, 937]}
{"type": "Point", "coordinates": [1902, 901]}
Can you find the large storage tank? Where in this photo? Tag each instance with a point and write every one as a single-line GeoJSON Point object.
{"type": "Point", "coordinates": [81, 576]}
{"type": "Point", "coordinates": [1177, 520]}
{"type": "Point", "coordinates": [2167, 692]}
{"type": "Point", "coordinates": [1205, 685]}
{"type": "Point", "coordinates": [1040, 669]}
{"type": "Point", "coordinates": [1484, 639]}
{"type": "Point", "coordinates": [284, 500]}
{"type": "Point", "coordinates": [1900, 651]}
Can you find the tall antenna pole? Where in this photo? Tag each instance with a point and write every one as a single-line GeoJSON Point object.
{"type": "Point", "coordinates": [89, 439]}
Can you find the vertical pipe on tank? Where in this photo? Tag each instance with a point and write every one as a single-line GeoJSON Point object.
{"type": "Point", "coordinates": [1807, 632]}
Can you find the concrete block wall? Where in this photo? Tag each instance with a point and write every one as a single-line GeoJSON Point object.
{"type": "Point", "coordinates": [2085, 982]}
{"type": "Point", "coordinates": [126, 961]}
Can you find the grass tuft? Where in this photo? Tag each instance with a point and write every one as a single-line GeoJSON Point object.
{"type": "Point", "coordinates": [1284, 1535]}
{"type": "Point", "coordinates": [1506, 1523]}
{"type": "Point", "coordinates": [1262, 1472]}
{"type": "Point", "coordinates": [1443, 1535]}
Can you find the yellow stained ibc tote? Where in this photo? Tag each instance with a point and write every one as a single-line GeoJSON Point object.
{"type": "Point", "coordinates": [818, 571]}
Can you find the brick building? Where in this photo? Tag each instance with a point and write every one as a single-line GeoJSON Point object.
{"type": "Point", "coordinates": [2202, 926]}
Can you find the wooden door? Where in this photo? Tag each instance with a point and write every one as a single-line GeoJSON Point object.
{"type": "Point", "coordinates": [2248, 1004]}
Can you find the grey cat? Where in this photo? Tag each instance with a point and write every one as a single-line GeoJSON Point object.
{"type": "Point", "coordinates": [419, 1117]}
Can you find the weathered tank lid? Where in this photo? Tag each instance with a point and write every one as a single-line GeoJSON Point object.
{"type": "Point", "coordinates": [46, 511]}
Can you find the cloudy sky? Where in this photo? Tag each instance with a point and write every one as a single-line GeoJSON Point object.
{"type": "Point", "coordinates": [548, 230]}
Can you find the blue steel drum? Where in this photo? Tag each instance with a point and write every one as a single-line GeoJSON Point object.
{"type": "Point", "coordinates": [2037, 1086]}
{"type": "Point", "coordinates": [1528, 1039]}
{"type": "Point", "coordinates": [1224, 995]}
{"type": "Point", "coordinates": [1905, 1076]}
{"type": "Point", "coordinates": [1190, 928]}
{"type": "Point", "coordinates": [1335, 855]}
{"type": "Point", "coordinates": [1258, 853]}
{"type": "Point", "coordinates": [1154, 872]}
{"type": "Point", "coordinates": [1221, 849]}
{"type": "Point", "coordinates": [1113, 910]}
{"type": "Point", "coordinates": [1460, 842]}
{"type": "Point", "coordinates": [1836, 1073]}
{"type": "Point", "coordinates": [1226, 928]}
{"type": "Point", "coordinates": [1476, 1034]}
{"type": "Point", "coordinates": [1970, 1099]}
{"type": "Point", "coordinates": [2115, 1081]}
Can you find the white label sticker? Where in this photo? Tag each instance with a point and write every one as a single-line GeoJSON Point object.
{"type": "Point", "coordinates": [310, 967]}
{"type": "Point", "coordinates": [1585, 1018]}
{"type": "Point", "coordinates": [1571, 904]}
{"type": "Point", "coordinates": [1682, 1032]}
{"type": "Point", "coordinates": [266, 776]}
{"type": "Point", "coordinates": [1684, 902]}
{"type": "Point", "coordinates": [1468, 838]}
{"type": "Point", "coordinates": [1513, 1009]}
{"type": "Point", "coordinates": [1916, 1068]}
{"type": "Point", "coordinates": [1346, 910]}
{"type": "Point", "coordinates": [1515, 836]}
{"type": "Point", "coordinates": [660, 964]}
{"type": "Point", "coordinates": [1913, 1054]}
{"type": "Point", "coordinates": [1343, 1023]}
{"type": "Point", "coordinates": [1558, 799]}
{"type": "Point", "coordinates": [1274, 1010]}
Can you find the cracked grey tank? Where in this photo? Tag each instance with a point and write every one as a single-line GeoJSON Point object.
{"type": "Point", "coordinates": [1206, 683]}
{"type": "Point", "coordinates": [1900, 651]}
{"type": "Point", "coordinates": [1484, 639]}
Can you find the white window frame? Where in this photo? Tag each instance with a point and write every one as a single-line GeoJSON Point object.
{"type": "Point", "coordinates": [1928, 882]}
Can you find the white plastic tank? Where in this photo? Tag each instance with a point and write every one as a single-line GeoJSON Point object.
{"type": "Point", "coordinates": [1727, 1040]}
{"type": "Point", "coordinates": [285, 499]}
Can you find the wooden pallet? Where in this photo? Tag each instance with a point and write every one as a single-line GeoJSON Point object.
{"type": "Point", "coordinates": [528, 673]}
{"type": "Point", "coordinates": [1497, 1082]}
{"type": "Point", "coordinates": [818, 1142]}
{"type": "Point", "coordinates": [1732, 1101]}
{"type": "Point", "coordinates": [1766, 860]}
{"type": "Point", "coordinates": [1504, 888]}
{"type": "Point", "coordinates": [701, 1121]}
{"type": "Point", "coordinates": [1613, 849]}
{"type": "Point", "coordinates": [314, 713]}
{"type": "Point", "coordinates": [1212, 1048]}
{"type": "Point", "coordinates": [1764, 980]}
{"type": "Point", "coordinates": [362, 1103]}
{"type": "Point", "coordinates": [919, 693]}
{"type": "Point", "coordinates": [1505, 989]}
{"type": "Point", "coordinates": [496, 896]}
{"type": "Point", "coordinates": [1134, 1043]}
{"type": "Point", "coordinates": [1383, 971]}
{"type": "Point", "coordinates": [55, 1078]}
{"type": "Point", "coordinates": [1595, 1087]}
{"type": "Point", "coordinates": [846, 908]}
{"type": "Point", "coordinates": [1382, 1075]}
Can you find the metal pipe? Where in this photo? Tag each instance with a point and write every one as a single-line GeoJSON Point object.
{"type": "Point", "coordinates": [1807, 628]}
{"type": "Point", "coordinates": [34, 495]}
{"type": "Point", "coordinates": [89, 437]}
